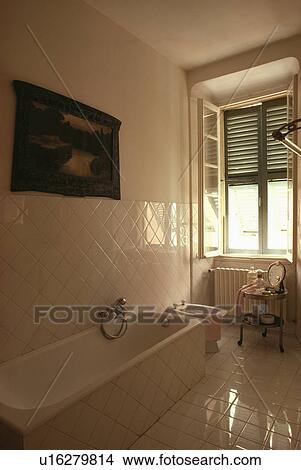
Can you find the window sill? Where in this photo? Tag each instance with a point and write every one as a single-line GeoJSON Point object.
{"type": "Point", "coordinates": [246, 258]}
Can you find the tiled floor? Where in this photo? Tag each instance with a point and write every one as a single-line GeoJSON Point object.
{"type": "Point", "coordinates": [250, 398]}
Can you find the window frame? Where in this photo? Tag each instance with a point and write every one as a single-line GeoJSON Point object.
{"type": "Point", "coordinates": [261, 179]}
{"type": "Point", "coordinates": [202, 106]}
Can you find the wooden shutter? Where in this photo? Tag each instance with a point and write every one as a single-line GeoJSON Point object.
{"type": "Point", "coordinates": [276, 116]}
{"type": "Point", "coordinates": [242, 142]}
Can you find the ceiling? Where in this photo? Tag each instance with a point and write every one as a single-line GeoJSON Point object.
{"type": "Point", "coordinates": [195, 32]}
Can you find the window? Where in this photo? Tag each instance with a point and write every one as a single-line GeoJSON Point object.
{"type": "Point", "coordinates": [246, 189]}
{"type": "Point", "coordinates": [256, 184]}
{"type": "Point", "coordinates": [211, 180]}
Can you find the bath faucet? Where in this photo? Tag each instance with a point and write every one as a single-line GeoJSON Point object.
{"type": "Point", "coordinates": [118, 302]}
{"type": "Point", "coordinates": [181, 304]}
{"type": "Point", "coordinates": [119, 311]}
{"type": "Point", "coordinates": [118, 306]}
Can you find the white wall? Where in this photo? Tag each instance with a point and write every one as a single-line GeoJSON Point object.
{"type": "Point", "coordinates": [105, 67]}
{"type": "Point", "coordinates": [59, 250]}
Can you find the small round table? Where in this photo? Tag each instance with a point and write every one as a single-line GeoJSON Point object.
{"type": "Point", "coordinates": [251, 319]}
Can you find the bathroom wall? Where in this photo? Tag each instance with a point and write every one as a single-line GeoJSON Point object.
{"type": "Point", "coordinates": [105, 67]}
{"type": "Point", "coordinates": [59, 250]}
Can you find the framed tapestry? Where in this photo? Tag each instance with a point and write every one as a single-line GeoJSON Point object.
{"type": "Point", "coordinates": [63, 146]}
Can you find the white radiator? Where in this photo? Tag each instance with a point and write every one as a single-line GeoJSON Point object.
{"type": "Point", "coordinates": [227, 281]}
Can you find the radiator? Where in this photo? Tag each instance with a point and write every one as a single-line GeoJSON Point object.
{"type": "Point", "coordinates": [227, 281]}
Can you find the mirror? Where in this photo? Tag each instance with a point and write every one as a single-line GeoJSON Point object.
{"type": "Point", "coordinates": [276, 275]}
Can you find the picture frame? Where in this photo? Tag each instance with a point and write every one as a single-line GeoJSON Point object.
{"type": "Point", "coordinates": [63, 146]}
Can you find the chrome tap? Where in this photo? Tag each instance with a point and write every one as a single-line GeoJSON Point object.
{"type": "Point", "coordinates": [119, 301]}
{"type": "Point", "coordinates": [118, 306]}
{"type": "Point", "coordinates": [119, 312]}
{"type": "Point", "coordinates": [181, 304]}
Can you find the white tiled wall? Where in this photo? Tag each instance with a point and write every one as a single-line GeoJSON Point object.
{"type": "Point", "coordinates": [117, 413]}
{"type": "Point", "coordinates": [202, 282]}
{"type": "Point", "coordinates": [56, 250]}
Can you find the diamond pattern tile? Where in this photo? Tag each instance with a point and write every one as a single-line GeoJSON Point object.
{"type": "Point", "coordinates": [71, 250]}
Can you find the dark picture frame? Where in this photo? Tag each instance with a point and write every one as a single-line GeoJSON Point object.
{"type": "Point", "coordinates": [63, 146]}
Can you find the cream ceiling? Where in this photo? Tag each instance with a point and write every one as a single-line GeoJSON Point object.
{"type": "Point", "coordinates": [195, 32]}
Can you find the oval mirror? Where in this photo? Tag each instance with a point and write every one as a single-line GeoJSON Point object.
{"type": "Point", "coordinates": [276, 274]}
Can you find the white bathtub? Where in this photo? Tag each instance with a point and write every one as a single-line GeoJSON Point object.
{"type": "Point", "coordinates": [39, 385]}
{"type": "Point", "coordinates": [211, 318]}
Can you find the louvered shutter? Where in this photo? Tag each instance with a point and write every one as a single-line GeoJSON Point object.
{"type": "Point", "coordinates": [242, 142]}
{"type": "Point", "coordinates": [276, 116]}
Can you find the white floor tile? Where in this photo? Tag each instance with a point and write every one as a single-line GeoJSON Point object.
{"type": "Point", "coordinates": [293, 416]}
{"type": "Point", "coordinates": [218, 406]}
{"type": "Point", "coordinates": [242, 444]}
{"type": "Point", "coordinates": [173, 437]}
{"type": "Point", "coordinates": [286, 428]}
{"type": "Point", "coordinates": [254, 433]}
{"type": "Point", "coordinates": [225, 411]}
{"type": "Point", "coordinates": [261, 420]}
{"type": "Point", "coordinates": [204, 415]}
{"type": "Point", "coordinates": [231, 425]}
{"type": "Point", "coordinates": [292, 404]}
{"type": "Point", "coordinates": [209, 446]}
{"type": "Point", "coordinates": [196, 398]}
{"type": "Point", "coordinates": [147, 443]}
{"type": "Point", "coordinates": [222, 374]}
{"type": "Point", "coordinates": [243, 414]}
{"type": "Point", "coordinates": [278, 442]}
{"type": "Point", "coordinates": [222, 439]}
{"type": "Point", "coordinates": [188, 425]}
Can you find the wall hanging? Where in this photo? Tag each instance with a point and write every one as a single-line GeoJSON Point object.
{"type": "Point", "coordinates": [63, 146]}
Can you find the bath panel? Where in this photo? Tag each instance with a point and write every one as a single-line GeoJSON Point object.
{"type": "Point", "coordinates": [108, 395]}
